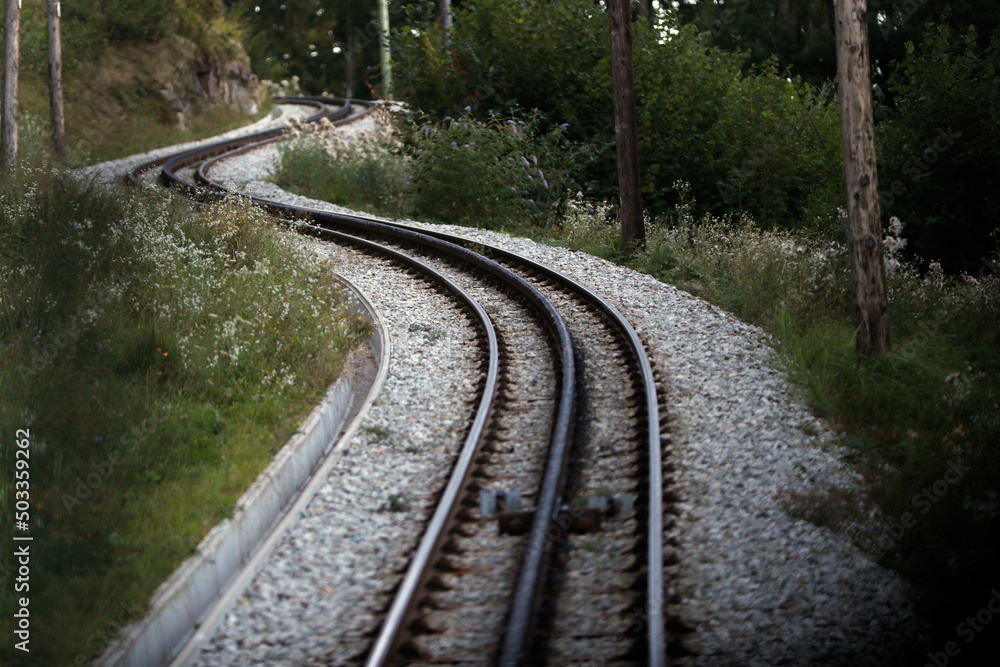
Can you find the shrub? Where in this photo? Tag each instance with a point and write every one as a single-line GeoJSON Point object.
{"type": "Point", "coordinates": [938, 145]}
{"type": "Point", "coordinates": [494, 173]}
{"type": "Point", "coordinates": [755, 142]}
{"type": "Point", "coordinates": [780, 141]}
{"type": "Point", "coordinates": [366, 173]}
{"type": "Point", "coordinates": [131, 20]}
{"type": "Point", "coordinates": [499, 173]}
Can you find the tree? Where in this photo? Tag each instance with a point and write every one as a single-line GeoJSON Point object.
{"type": "Point", "coordinates": [871, 318]}
{"type": "Point", "coordinates": [11, 57]}
{"type": "Point", "coordinates": [445, 21]}
{"type": "Point", "coordinates": [633, 230]}
{"type": "Point", "coordinates": [385, 49]}
{"type": "Point", "coordinates": [801, 33]}
{"type": "Point", "coordinates": [328, 44]}
{"type": "Point", "coordinates": [55, 77]}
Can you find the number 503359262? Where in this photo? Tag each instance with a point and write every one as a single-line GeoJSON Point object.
{"type": "Point", "coordinates": [22, 474]}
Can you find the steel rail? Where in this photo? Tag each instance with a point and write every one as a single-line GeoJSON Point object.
{"type": "Point", "coordinates": [547, 505]}
{"type": "Point", "coordinates": [201, 175]}
{"type": "Point", "coordinates": [403, 610]}
{"type": "Point", "coordinates": [517, 640]}
{"type": "Point", "coordinates": [335, 109]}
{"type": "Point", "coordinates": [528, 587]}
{"type": "Point", "coordinates": [655, 587]}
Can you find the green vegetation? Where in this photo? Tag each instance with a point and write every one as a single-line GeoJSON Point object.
{"type": "Point", "coordinates": [511, 168]}
{"type": "Point", "coordinates": [329, 46]}
{"type": "Point", "coordinates": [938, 146]}
{"type": "Point", "coordinates": [753, 141]}
{"type": "Point", "coordinates": [801, 34]}
{"type": "Point", "coordinates": [747, 136]}
{"type": "Point", "coordinates": [365, 174]}
{"type": "Point", "coordinates": [159, 356]}
{"type": "Point", "coordinates": [118, 58]}
{"type": "Point", "coordinates": [908, 417]}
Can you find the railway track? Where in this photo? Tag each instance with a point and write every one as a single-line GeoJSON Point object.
{"type": "Point", "coordinates": [569, 427]}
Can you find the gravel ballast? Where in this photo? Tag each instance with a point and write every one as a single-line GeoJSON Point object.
{"type": "Point", "coordinates": [754, 585]}
{"type": "Point", "coordinates": [322, 589]}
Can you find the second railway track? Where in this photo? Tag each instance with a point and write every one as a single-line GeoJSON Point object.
{"type": "Point", "coordinates": [577, 575]}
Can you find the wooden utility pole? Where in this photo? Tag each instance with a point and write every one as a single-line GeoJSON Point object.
{"type": "Point", "coordinates": [384, 53]}
{"type": "Point", "coordinates": [445, 22]}
{"type": "Point", "coordinates": [11, 57]}
{"type": "Point", "coordinates": [633, 231]}
{"type": "Point", "coordinates": [55, 78]}
{"type": "Point", "coordinates": [857, 132]}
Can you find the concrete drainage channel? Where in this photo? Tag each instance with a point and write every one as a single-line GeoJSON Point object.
{"type": "Point", "coordinates": [189, 605]}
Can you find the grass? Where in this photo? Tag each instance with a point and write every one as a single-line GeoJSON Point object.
{"type": "Point", "coordinates": [131, 133]}
{"type": "Point", "coordinates": [365, 174]}
{"type": "Point", "coordinates": [103, 126]}
{"type": "Point", "coordinates": [159, 356]}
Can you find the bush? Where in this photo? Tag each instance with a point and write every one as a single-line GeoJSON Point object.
{"type": "Point", "coordinates": [134, 20]}
{"type": "Point", "coordinates": [755, 142]}
{"type": "Point", "coordinates": [938, 146]}
{"type": "Point", "coordinates": [780, 141]}
{"type": "Point", "coordinates": [495, 173]}
{"type": "Point", "coordinates": [366, 173]}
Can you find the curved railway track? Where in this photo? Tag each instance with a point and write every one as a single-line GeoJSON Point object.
{"type": "Point", "coordinates": [584, 449]}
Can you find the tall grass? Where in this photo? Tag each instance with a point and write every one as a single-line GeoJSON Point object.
{"type": "Point", "coordinates": [159, 356]}
{"type": "Point", "coordinates": [367, 173]}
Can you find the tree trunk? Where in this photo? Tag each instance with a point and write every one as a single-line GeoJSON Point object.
{"type": "Point", "coordinates": [55, 78]}
{"type": "Point", "coordinates": [784, 11]}
{"type": "Point", "coordinates": [871, 312]}
{"type": "Point", "coordinates": [11, 56]}
{"type": "Point", "coordinates": [633, 232]}
{"type": "Point", "coordinates": [445, 22]}
{"type": "Point", "coordinates": [384, 53]}
{"type": "Point", "coordinates": [350, 56]}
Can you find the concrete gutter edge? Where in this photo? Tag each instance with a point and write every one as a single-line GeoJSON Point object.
{"type": "Point", "coordinates": [188, 606]}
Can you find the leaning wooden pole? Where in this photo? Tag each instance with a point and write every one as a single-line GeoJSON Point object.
{"type": "Point", "coordinates": [857, 131]}
{"type": "Point", "coordinates": [55, 78]}
{"type": "Point", "coordinates": [11, 57]}
{"type": "Point", "coordinates": [626, 139]}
